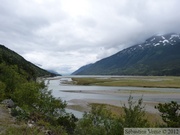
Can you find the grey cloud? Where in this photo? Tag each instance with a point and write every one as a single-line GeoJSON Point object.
{"type": "Point", "coordinates": [45, 32]}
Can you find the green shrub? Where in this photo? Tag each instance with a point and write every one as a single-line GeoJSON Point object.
{"type": "Point", "coordinates": [2, 91]}
{"type": "Point", "coordinates": [99, 121]}
{"type": "Point", "coordinates": [134, 114]}
{"type": "Point", "coordinates": [170, 113]}
{"type": "Point", "coordinates": [23, 130]}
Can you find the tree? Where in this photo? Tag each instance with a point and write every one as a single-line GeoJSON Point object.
{"type": "Point", "coordinates": [68, 121]}
{"type": "Point", "coordinates": [98, 121]}
{"type": "Point", "coordinates": [11, 78]}
{"type": "Point", "coordinates": [26, 95]}
{"type": "Point", "coordinates": [170, 113]}
{"type": "Point", "coordinates": [2, 90]}
{"type": "Point", "coordinates": [49, 105]}
{"type": "Point", "coordinates": [134, 114]}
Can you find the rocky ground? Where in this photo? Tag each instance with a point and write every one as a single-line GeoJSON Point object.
{"type": "Point", "coordinates": [6, 120]}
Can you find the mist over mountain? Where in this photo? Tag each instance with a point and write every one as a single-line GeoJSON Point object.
{"type": "Point", "coordinates": [54, 72]}
{"type": "Point", "coordinates": [158, 55]}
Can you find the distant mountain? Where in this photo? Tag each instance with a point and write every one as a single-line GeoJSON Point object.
{"type": "Point", "coordinates": [11, 58]}
{"type": "Point", "coordinates": [54, 72]}
{"type": "Point", "coordinates": [81, 69]}
{"type": "Point", "coordinates": [158, 55]}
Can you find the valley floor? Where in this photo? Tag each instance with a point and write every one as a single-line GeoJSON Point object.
{"type": "Point", "coordinates": [125, 94]}
{"type": "Point", "coordinates": [151, 97]}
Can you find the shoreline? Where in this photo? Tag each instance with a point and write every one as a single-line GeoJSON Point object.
{"type": "Point", "coordinates": [84, 104]}
{"type": "Point", "coordinates": [149, 104]}
{"type": "Point", "coordinates": [153, 90]}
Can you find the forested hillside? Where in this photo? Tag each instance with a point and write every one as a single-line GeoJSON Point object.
{"type": "Point", "coordinates": [27, 99]}
{"type": "Point", "coordinates": [158, 55]}
{"type": "Point", "coordinates": [11, 58]}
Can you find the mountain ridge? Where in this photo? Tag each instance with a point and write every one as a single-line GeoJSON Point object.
{"type": "Point", "coordinates": [10, 57]}
{"type": "Point", "coordinates": [158, 55]}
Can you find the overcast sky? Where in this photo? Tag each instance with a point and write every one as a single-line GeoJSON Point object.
{"type": "Point", "coordinates": [64, 35]}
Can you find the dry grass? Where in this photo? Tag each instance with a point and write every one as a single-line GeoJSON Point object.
{"type": "Point", "coordinates": [78, 108]}
{"type": "Point", "coordinates": [5, 119]}
{"type": "Point", "coordinates": [135, 81]}
{"type": "Point", "coordinates": [153, 118]}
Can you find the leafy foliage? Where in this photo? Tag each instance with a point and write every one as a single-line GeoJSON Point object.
{"type": "Point", "coordinates": [98, 121]}
{"type": "Point", "coordinates": [134, 114]}
{"type": "Point", "coordinates": [23, 131]}
{"type": "Point", "coordinates": [10, 77]}
{"type": "Point", "coordinates": [28, 94]}
{"type": "Point", "coordinates": [2, 90]}
{"type": "Point", "coordinates": [49, 105]}
{"type": "Point", "coordinates": [101, 121]}
{"type": "Point", "coordinates": [33, 100]}
{"type": "Point", "coordinates": [27, 69]}
{"type": "Point", "coordinates": [68, 121]}
{"type": "Point", "coordinates": [170, 113]}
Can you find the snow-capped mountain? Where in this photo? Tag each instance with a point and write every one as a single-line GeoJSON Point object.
{"type": "Point", "coordinates": [158, 55]}
{"type": "Point", "coordinates": [159, 40]}
{"type": "Point", "coordinates": [168, 39]}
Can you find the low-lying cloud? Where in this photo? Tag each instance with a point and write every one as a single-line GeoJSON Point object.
{"type": "Point", "coordinates": [65, 34]}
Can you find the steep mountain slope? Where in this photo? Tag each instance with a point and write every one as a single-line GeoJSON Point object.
{"type": "Point", "coordinates": [81, 69]}
{"type": "Point", "coordinates": [9, 57]}
{"type": "Point", "coordinates": [158, 55]}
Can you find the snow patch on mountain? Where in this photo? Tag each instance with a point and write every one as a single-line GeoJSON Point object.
{"type": "Point", "coordinates": [153, 39]}
{"type": "Point", "coordinates": [158, 40]}
{"type": "Point", "coordinates": [157, 44]}
{"type": "Point", "coordinates": [174, 35]}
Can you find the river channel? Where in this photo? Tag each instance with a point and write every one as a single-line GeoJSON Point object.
{"type": "Point", "coordinates": [105, 94]}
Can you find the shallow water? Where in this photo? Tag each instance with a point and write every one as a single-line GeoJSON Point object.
{"type": "Point", "coordinates": [78, 114]}
{"type": "Point", "coordinates": [59, 89]}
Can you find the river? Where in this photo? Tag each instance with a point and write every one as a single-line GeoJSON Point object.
{"type": "Point", "coordinates": [106, 94]}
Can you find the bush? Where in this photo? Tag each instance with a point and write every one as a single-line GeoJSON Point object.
{"type": "Point", "coordinates": [27, 95]}
{"type": "Point", "coordinates": [23, 130]}
{"type": "Point", "coordinates": [170, 113]}
{"type": "Point", "coordinates": [2, 91]}
{"type": "Point", "coordinates": [68, 121]}
{"type": "Point", "coordinates": [19, 114]}
{"type": "Point", "coordinates": [98, 121]}
{"type": "Point", "coordinates": [135, 114]}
